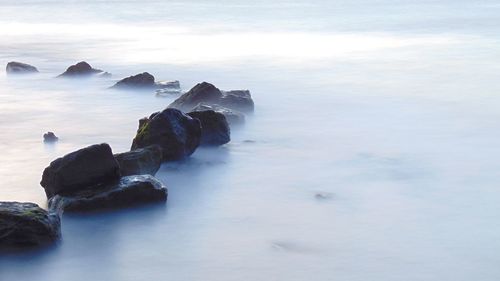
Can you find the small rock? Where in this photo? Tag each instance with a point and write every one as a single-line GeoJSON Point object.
{"type": "Point", "coordinates": [87, 167]}
{"type": "Point", "coordinates": [140, 161]}
{"type": "Point", "coordinates": [14, 67]}
{"type": "Point", "coordinates": [105, 75]}
{"type": "Point", "coordinates": [50, 137]}
{"type": "Point", "coordinates": [80, 69]}
{"type": "Point", "coordinates": [142, 80]}
{"type": "Point", "coordinates": [214, 127]}
{"type": "Point", "coordinates": [237, 99]}
{"type": "Point", "coordinates": [323, 196]}
{"type": "Point", "coordinates": [129, 191]}
{"type": "Point", "coordinates": [176, 133]}
{"type": "Point", "coordinates": [26, 224]}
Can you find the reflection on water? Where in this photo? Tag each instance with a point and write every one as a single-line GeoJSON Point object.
{"type": "Point", "coordinates": [372, 154]}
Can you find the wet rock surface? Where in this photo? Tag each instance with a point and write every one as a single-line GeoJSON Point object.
{"type": "Point", "coordinates": [214, 127]}
{"type": "Point", "coordinates": [140, 161]}
{"type": "Point", "coordinates": [127, 192]}
{"type": "Point", "coordinates": [26, 224]}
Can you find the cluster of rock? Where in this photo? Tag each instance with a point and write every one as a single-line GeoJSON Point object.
{"type": "Point", "coordinates": [93, 178]}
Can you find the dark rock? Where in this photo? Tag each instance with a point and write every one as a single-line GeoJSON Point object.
{"type": "Point", "coordinates": [50, 137]}
{"type": "Point", "coordinates": [142, 80]}
{"type": "Point", "coordinates": [90, 166]}
{"type": "Point", "coordinates": [140, 161]}
{"type": "Point", "coordinates": [214, 127]}
{"type": "Point", "coordinates": [176, 133]}
{"type": "Point", "coordinates": [233, 117]}
{"type": "Point", "coordinates": [128, 191]}
{"type": "Point", "coordinates": [14, 67]}
{"type": "Point", "coordinates": [207, 93]}
{"type": "Point", "coordinates": [80, 69]}
{"type": "Point", "coordinates": [26, 224]}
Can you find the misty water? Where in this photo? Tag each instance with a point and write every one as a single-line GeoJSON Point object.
{"type": "Point", "coordinates": [372, 153]}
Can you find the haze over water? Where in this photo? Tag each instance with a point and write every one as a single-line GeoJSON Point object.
{"type": "Point", "coordinates": [372, 153]}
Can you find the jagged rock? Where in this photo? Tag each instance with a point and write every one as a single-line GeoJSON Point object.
{"type": "Point", "coordinates": [14, 67]}
{"type": "Point", "coordinates": [90, 166]}
{"type": "Point", "coordinates": [214, 127]}
{"type": "Point", "coordinates": [80, 69]}
{"type": "Point", "coordinates": [176, 133]}
{"type": "Point", "coordinates": [142, 80]}
{"type": "Point", "coordinates": [233, 117]}
{"type": "Point", "coordinates": [26, 224]}
{"type": "Point", "coordinates": [209, 94]}
{"type": "Point", "coordinates": [50, 137]}
{"type": "Point", "coordinates": [140, 161]}
{"type": "Point", "coordinates": [128, 191]}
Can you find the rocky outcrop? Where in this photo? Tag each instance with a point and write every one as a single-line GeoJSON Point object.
{"type": "Point", "coordinates": [128, 191]}
{"type": "Point", "coordinates": [15, 67]}
{"type": "Point", "coordinates": [176, 133]}
{"type": "Point", "coordinates": [233, 117]}
{"type": "Point", "coordinates": [26, 224]}
{"type": "Point", "coordinates": [90, 166]}
{"type": "Point", "coordinates": [142, 80]}
{"type": "Point", "coordinates": [79, 70]}
{"type": "Point", "coordinates": [50, 137]}
{"type": "Point", "coordinates": [207, 93]}
{"type": "Point", "coordinates": [214, 127]}
{"type": "Point", "coordinates": [140, 161]}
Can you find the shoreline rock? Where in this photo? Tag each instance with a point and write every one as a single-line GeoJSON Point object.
{"type": "Point", "coordinates": [214, 127]}
{"type": "Point", "coordinates": [233, 117]}
{"type": "Point", "coordinates": [140, 161]}
{"type": "Point", "coordinates": [15, 67]}
{"type": "Point", "coordinates": [81, 69]}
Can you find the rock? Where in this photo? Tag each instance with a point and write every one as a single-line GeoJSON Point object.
{"type": "Point", "coordinates": [140, 161]}
{"type": "Point", "coordinates": [214, 127]}
{"type": "Point", "coordinates": [14, 67]}
{"type": "Point", "coordinates": [142, 80]}
{"type": "Point", "coordinates": [233, 117]}
{"type": "Point", "coordinates": [128, 191]}
{"type": "Point", "coordinates": [49, 137]}
{"type": "Point", "coordinates": [26, 224]}
{"type": "Point", "coordinates": [90, 166]}
{"type": "Point", "coordinates": [80, 69]}
{"type": "Point", "coordinates": [207, 93]}
{"type": "Point", "coordinates": [176, 133]}
{"type": "Point", "coordinates": [167, 88]}
{"type": "Point", "coordinates": [105, 75]}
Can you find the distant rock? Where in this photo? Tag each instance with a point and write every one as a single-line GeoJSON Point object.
{"type": "Point", "coordinates": [214, 127]}
{"type": "Point", "coordinates": [50, 137]}
{"type": "Point", "coordinates": [128, 191]}
{"type": "Point", "coordinates": [168, 88]}
{"type": "Point", "coordinates": [87, 167]}
{"type": "Point", "coordinates": [140, 161]}
{"type": "Point", "coordinates": [26, 224]}
{"type": "Point", "coordinates": [233, 117]}
{"type": "Point", "coordinates": [142, 80]}
{"type": "Point", "coordinates": [176, 133]}
{"type": "Point", "coordinates": [79, 70]}
{"type": "Point", "coordinates": [207, 93]}
{"type": "Point", "coordinates": [105, 75]}
{"type": "Point", "coordinates": [14, 67]}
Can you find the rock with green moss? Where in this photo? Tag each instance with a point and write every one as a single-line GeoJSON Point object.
{"type": "Point", "coordinates": [177, 134]}
{"type": "Point", "coordinates": [26, 224]}
{"type": "Point", "coordinates": [214, 127]}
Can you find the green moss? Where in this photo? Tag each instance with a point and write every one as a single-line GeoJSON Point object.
{"type": "Point", "coordinates": [143, 132]}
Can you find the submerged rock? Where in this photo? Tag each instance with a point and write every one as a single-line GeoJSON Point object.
{"type": "Point", "coordinates": [50, 137]}
{"type": "Point", "coordinates": [142, 80]}
{"type": "Point", "coordinates": [26, 224]}
{"type": "Point", "coordinates": [15, 67]}
{"type": "Point", "coordinates": [90, 166]}
{"type": "Point", "coordinates": [233, 117]}
{"type": "Point", "coordinates": [167, 88]}
{"type": "Point", "coordinates": [128, 191]}
{"type": "Point", "coordinates": [209, 94]}
{"type": "Point", "coordinates": [80, 69]}
{"type": "Point", "coordinates": [105, 75]}
{"type": "Point", "coordinates": [214, 127]}
{"type": "Point", "coordinates": [176, 133]}
{"type": "Point", "coordinates": [140, 161]}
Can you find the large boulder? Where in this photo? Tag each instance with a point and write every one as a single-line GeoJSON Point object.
{"type": "Point", "coordinates": [128, 191]}
{"type": "Point", "coordinates": [26, 224]}
{"type": "Point", "coordinates": [140, 161]}
{"type": "Point", "coordinates": [176, 133]}
{"type": "Point", "coordinates": [80, 69]}
{"type": "Point", "coordinates": [15, 67]}
{"type": "Point", "coordinates": [142, 80]}
{"type": "Point", "coordinates": [90, 166]}
{"type": "Point", "coordinates": [207, 93]}
{"type": "Point", "coordinates": [214, 127]}
{"type": "Point", "coordinates": [233, 117]}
